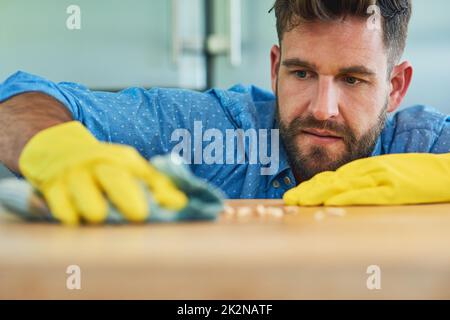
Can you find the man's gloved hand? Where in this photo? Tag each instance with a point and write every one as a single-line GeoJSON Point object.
{"type": "Point", "coordinates": [75, 172]}
{"type": "Point", "coordinates": [386, 180]}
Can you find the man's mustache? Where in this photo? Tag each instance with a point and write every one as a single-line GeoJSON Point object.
{"type": "Point", "coordinates": [298, 125]}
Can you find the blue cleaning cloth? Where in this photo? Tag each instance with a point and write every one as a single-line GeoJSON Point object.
{"type": "Point", "coordinates": [205, 202]}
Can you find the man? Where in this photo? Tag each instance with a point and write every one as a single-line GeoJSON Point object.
{"type": "Point", "coordinates": [336, 75]}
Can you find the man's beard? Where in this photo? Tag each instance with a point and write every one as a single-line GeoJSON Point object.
{"type": "Point", "coordinates": [306, 165]}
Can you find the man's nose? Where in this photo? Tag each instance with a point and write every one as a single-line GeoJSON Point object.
{"type": "Point", "coordinates": [325, 104]}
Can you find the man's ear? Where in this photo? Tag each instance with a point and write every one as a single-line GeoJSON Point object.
{"type": "Point", "coordinates": [275, 58]}
{"type": "Point", "coordinates": [401, 77]}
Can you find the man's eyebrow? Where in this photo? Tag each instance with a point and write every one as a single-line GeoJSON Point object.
{"type": "Point", "coordinates": [361, 70]}
{"type": "Point", "coordinates": [295, 62]}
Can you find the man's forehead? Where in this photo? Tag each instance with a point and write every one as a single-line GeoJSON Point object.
{"type": "Point", "coordinates": [337, 44]}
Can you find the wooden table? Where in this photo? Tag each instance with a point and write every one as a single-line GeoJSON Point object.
{"type": "Point", "coordinates": [312, 254]}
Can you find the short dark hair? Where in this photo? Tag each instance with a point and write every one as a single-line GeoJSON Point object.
{"type": "Point", "coordinates": [395, 14]}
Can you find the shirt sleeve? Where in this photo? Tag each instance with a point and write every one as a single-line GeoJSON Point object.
{"type": "Point", "coordinates": [442, 144]}
{"type": "Point", "coordinates": [144, 119]}
{"type": "Point", "coordinates": [418, 129]}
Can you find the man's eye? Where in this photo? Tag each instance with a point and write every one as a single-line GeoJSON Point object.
{"type": "Point", "coordinates": [351, 80]}
{"type": "Point", "coordinates": [301, 74]}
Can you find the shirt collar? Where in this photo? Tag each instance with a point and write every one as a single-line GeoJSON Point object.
{"type": "Point", "coordinates": [284, 167]}
{"type": "Point", "coordinates": [377, 149]}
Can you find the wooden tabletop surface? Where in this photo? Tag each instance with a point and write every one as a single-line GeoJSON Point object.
{"type": "Point", "coordinates": [313, 253]}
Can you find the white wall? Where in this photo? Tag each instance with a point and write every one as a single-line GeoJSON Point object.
{"type": "Point", "coordinates": [429, 51]}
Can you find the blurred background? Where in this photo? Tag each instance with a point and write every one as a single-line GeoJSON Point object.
{"type": "Point", "coordinates": [194, 44]}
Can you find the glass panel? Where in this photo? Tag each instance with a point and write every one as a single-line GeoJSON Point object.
{"type": "Point", "coordinates": [258, 36]}
{"type": "Point", "coordinates": [120, 43]}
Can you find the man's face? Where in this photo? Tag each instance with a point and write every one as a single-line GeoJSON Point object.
{"type": "Point", "coordinates": [332, 92]}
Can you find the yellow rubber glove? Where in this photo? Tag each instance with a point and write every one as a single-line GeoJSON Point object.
{"type": "Point", "coordinates": [398, 179]}
{"type": "Point", "coordinates": [75, 172]}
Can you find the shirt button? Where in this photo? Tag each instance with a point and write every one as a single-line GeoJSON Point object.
{"type": "Point", "coordinates": [276, 184]}
{"type": "Point", "coordinates": [287, 181]}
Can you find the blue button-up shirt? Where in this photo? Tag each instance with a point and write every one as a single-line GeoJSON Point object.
{"type": "Point", "coordinates": [147, 120]}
